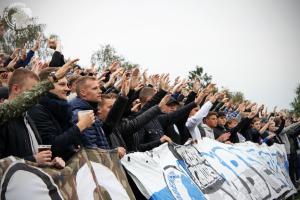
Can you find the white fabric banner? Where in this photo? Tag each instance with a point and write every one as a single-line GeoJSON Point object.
{"type": "Point", "coordinates": [211, 170]}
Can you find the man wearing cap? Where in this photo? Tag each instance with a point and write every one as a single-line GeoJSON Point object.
{"type": "Point", "coordinates": [220, 128]}
{"type": "Point", "coordinates": [174, 131]}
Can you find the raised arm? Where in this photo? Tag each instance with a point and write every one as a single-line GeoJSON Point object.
{"type": "Point", "coordinates": [198, 117]}
{"type": "Point", "coordinates": [26, 100]}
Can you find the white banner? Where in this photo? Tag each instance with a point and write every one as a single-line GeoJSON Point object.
{"type": "Point", "coordinates": [211, 170]}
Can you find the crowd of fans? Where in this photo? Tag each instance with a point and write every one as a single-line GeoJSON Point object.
{"type": "Point", "coordinates": [58, 103]}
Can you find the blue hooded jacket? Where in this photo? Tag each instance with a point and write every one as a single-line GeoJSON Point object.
{"type": "Point", "coordinates": [93, 137]}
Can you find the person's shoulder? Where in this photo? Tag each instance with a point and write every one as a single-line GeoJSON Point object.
{"type": "Point", "coordinates": [37, 108]}
{"type": "Point", "coordinates": [78, 104]}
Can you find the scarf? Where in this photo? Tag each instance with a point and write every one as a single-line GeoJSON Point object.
{"type": "Point", "coordinates": [59, 108]}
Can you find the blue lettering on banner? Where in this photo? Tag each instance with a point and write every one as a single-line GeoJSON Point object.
{"type": "Point", "coordinates": [260, 178]}
{"type": "Point", "coordinates": [249, 177]}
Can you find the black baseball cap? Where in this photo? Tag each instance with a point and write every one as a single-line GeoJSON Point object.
{"type": "Point", "coordinates": [221, 114]}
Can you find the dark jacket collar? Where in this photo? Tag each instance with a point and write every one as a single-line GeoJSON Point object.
{"type": "Point", "coordinates": [59, 108]}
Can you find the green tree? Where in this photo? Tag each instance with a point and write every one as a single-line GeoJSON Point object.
{"type": "Point", "coordinates": [296, 103]}
{"type": "Point", "coordinates": [106, 55]}
{"type": "Point", "coordinates": [237, 97]}
{"type": "Point", "coordinates": [199, 73]}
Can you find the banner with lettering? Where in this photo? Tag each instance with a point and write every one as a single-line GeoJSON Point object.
{"type": "Point", "coordinates": [211, 170]}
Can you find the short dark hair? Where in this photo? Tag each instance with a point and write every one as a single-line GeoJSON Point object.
{"type": "Point", "coordinates": [81, 81]}
{"type": "Point", "coordinates": [145, 92]}
{"type": "Point", "coordinates": [255, 119]}
{"type": "Point", "coordinates": [44, 74]}
{"type": "Point", "coordinates": [19, 76]}
{"type": "Point", "coordinates": [211, 114]}
{"type": "Point", "coordinates": [107, 96]}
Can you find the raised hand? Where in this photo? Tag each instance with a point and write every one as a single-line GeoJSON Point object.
{"type": "Point", "coordinates": [164, 101]}
{"type": "Point", "coordinates": [114, 66]}
{"type": "Point", "coordinates": [282, 115]}
{"type": "Point", "coordinates": [139, 87]}
{"type": "Point", "coordinates": [225, 100]}
{"type": "Point", "coordinates": [136, 107]}
{"type": "Point", "coordinates": [37, 43]}
{"type": "Point", "coordinates": [15, 53]}
{"type": "Point", "coordinates": [62, 71]}
{"type": "Point", "coordinates": [183, 85]}
{"type": "Point", "coordinates": [11, 65]}
{"type": "Point", "coordinates": [111, 80]}
{"type": "Point", "coordinates": [260, 108]}
{"type": "Point", "coordinates": [253, 113]}
{"type": "Point", "coordinates": [211, 87]}
{"type": "Point", "coordinates": [200, 96]}
{"type": "Point", "coordinates": [196, 85]}
{"type": "Point", "coordinates": [125, 87]}
{"type": "Point", "coordinates": [177, 87]}
{"type": "Point", "coordinates": [241, 108]}
{"type": "Point", "coordinates": [164, 83]}
{"type": "Point", "coordinates": [37, 67]}
{"type": "Point", "coordinates": [145, 77]}
{"type": "Point", "coordinates": [215, 97]}
{"type": "Point", "coordinates": [23, 52]}
{"type": "Point", "coordinates": [102, 75]}
{"type": "Point", "coordinates": [251, 105]}
{"type": "Point", "coordinates": [134, 80]}
{"type": "Point", "coordinates": [177, 80]}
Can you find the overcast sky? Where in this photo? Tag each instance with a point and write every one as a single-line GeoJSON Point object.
{"type": "Point", "coordinates": [251, 46]}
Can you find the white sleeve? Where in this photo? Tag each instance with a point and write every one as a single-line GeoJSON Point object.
{"type": "Point", "coordinates": [197, 118]}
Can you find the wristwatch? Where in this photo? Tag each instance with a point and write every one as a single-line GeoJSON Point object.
{"type": "Point", "coordinates": [52, 74]}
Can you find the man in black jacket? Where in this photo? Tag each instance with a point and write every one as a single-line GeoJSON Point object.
{"type": "Point", "coordinates": [177, 131]}
{"type": "Point", "coordinates": [53, 119]}
{"type": "Point", "coordinates": [19, 136]}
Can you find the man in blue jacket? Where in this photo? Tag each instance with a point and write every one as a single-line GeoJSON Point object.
{"type": "Point", "coordinates": [88, 97]}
